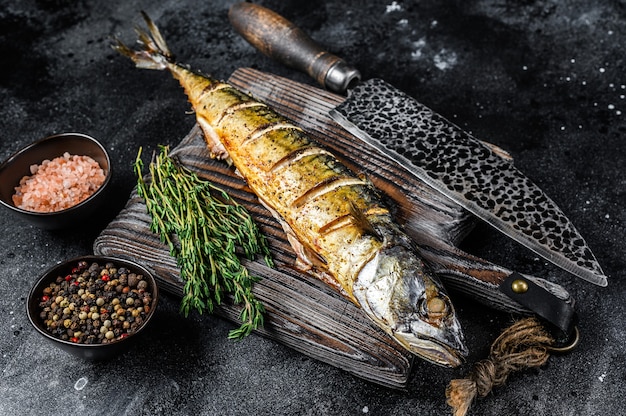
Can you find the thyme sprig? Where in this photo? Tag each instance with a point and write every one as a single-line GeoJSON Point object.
{"type": "Point", "coordinates": [205, 230]}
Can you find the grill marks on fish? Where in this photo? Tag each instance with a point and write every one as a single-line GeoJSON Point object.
{"type": "Point", "coordinates": [210, 88]}
{"type": "Point", "coordinates": [295, 156]}
{"type": "Point", "coordinates": [310, 178]}
{"type": "Point", "coordinates": [278, 126]}
{"type": "Point", "coordinates": [233, 111]}
{"type": "Point", "coordinates": [328, 185]}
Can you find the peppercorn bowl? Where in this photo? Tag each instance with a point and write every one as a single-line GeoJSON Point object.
{"type": "Point", "coordinates": [67, 153]}
{"type": "Point", "coordinates": [93, 307]}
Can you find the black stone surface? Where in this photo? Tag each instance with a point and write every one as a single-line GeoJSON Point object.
{"type": "Point", "coordinates": [544, 80]}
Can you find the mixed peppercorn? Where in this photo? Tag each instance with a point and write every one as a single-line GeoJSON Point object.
{"type": "Point", "coordinates": [95, 304]}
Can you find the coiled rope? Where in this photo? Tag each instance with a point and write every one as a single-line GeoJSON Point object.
{"type": "Point", "coordinates": [525, 344]}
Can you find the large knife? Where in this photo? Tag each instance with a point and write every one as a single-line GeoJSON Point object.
{"type": "Point", "coordinates": [474, 174]}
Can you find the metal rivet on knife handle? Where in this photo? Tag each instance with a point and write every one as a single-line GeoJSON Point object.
{"type": "Point", "coordinates": [519, 286]}
{"type": "Point", "coordinates": [283, 41]}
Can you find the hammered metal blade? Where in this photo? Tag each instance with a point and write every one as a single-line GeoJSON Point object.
{"type": "Point", "coordinates": [467, 171]}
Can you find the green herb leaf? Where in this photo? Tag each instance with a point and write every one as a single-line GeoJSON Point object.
{"type": "Point", "coordinates": [203, 229]}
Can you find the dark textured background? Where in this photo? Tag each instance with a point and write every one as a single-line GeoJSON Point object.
{"type": "Point", "coordinates": [542, 79]}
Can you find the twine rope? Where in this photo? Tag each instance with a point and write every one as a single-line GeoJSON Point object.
{"type": "Point", "coordinates": [525, 344]}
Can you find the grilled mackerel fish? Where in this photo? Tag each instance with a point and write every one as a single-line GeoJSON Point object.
{"type": "Point", "coordinates": [336, 222]}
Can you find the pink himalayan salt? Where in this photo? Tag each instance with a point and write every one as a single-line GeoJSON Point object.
{"type": "Point", "coordinates": [59, 183]}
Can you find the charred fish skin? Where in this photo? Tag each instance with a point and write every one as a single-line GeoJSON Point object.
{"type": "Point", "coordinates": [335, 220]}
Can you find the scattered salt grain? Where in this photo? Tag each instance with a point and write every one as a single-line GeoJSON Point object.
{"type": "Point", "coordinates": [59, 183]}
{"type": "Point", "coordinates": [393, 7]}
{"type": "Point", "coordinates": [445, 60]}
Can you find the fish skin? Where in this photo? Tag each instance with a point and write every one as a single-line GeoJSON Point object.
{"type": "Point", "coordinates": [336, 222]}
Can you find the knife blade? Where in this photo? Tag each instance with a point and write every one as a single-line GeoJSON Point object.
{"type": "Point", "coordinates": [470, 172]}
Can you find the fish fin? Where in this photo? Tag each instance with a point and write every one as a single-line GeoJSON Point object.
{"type": "Point", "coordinates": [329, 280]}
{"type": "Point", "coordinates": [155, 33]}
{"type": "Point", "coordinates": [360, 218]}
{"type": "Point", "coordinates": [213, 142]}
{"type": "Point", "coordinates": [153, 52]}
{"type": "Point", "coordinates": [311, 263]}
{"type": "Point", "coordinates": [307, 260]}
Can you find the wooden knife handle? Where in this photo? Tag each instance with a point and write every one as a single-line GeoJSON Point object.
{"type": "Point", "coordinates": [283, 41]}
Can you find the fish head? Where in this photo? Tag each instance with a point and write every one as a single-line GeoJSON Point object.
{"type": "Point", "coordinates": [397, 291]}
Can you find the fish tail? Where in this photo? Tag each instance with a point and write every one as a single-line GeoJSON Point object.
{"type": "Point", "coordinates": [153, 52]}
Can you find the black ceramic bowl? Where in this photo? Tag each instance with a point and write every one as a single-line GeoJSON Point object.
{"type": "Point", "coordinates": [17, 166]}
{"type": "Point", "coordinates": [94, 351]}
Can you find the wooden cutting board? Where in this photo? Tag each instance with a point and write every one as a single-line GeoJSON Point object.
{"type": "Point", "coordinates": [302, 312]}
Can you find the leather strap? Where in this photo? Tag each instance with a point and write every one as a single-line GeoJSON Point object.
{"type": "Point", "coordinates": [556, 311]}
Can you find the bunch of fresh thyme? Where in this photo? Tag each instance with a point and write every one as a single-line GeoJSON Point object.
{"type": "Point", "coordinates": [204, 228]}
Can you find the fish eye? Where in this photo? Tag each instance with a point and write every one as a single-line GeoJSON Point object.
{"type": "Point", "coordinates": [433, 309]}
{"type": "Point", "coordinates": [436, 306]}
